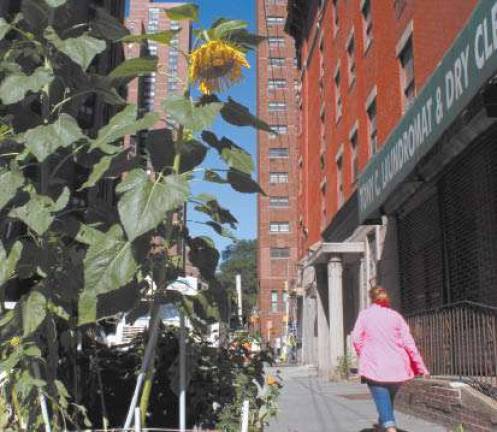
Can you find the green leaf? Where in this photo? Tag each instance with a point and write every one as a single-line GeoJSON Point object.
{"type": "Point", "coordinates": [214, 177]}
{"type": "Point", "coordinates": [123, 123]}
{"type": "Point", "coordinates": [160, 147]}
{"type": "Point", "coordinates": [8, 265]}
{"type": "Point", "coordinates": [108, 265]}
{"type": "Point", "coordinates": [163, 37]}
{"type": "Point", "coordinates": [135, 67]}
{"type": "Point", "coordinates": [245, 39]}
{"type": "Point", "coordinates": [34, 310]}
{"type": "Point", "coordinates": [10, 363]}
{"type": "Point", "coordinates": [97, 172]}
{"type": "Point", "coordinates": [144, 202]}
{"type": "Point", "coordinates": [58, 310]}
{"type": "Point", "coordinates": [242, 182]}
{"type": "Point", "coordinates": [37, 212]}
{"type": "Point", "coordinates": [191, 116]}
{"type": "Point", "coordinates": [10, 182]}
{"type": "Point", "coordinates": [4, 28]}
{"type": "Point", "coordinates": [17, 85]}
{"type": "Point", "coordinates": [192, 154]}
{"type": "Point", "coordinates": [222, 231]}
{"type": "Point", "coordinates": [217, 213]}
{"type": "Point", "coordinates": [81, 50]}
{"type": "Point", "coordinates": [44, 140]}
{"type": "Point", "coordinates": [32, 351]}
{"type": "Point", "coordinates": [231, 153]}
{"type": "Point", "coordinates": [184, 12]}
{"type": "Point", "coordinates": [224, 27]}
{"type": "Point", "coordinates": [239, 115]}
{"type": "Point", "coordinates": [107, 26]}
{"type": "Point", "coordinates": [55, 3]}
{"type": "Point", "coordinates": [203, 255]}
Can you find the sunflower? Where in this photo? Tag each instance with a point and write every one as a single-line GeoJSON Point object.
{"type": "Point", "coordinates": [216, 65]}
{"type": "Point", "coordinates": [15, 341]}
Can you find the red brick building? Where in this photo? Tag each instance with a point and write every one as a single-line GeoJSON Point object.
{"type": "Point", "coordinates": [277, 217]}
{"type": "Point", "coordinates": [148, 16]}
{"type": "Point", "coordinates": [397, 171]}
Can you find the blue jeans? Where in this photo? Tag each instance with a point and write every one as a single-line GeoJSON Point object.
{"type": "Point", "coordinates": [384, 396]}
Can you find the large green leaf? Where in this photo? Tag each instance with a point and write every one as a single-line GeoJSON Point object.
{"type": "Point", "coordinates": [191, 116]}
{"type": "Point", "coordinates": [213, 177]}
{"type": "Point", "coordinates": [223, 27]}
{"type": "Point", "coordinates": [16, 85]}
{"type": "Point", "coordinates": [8, 264]}
{"type": "Point", "coordinates": [44, 140]}
{"type": "Point", "coordinates": [81, 50]}
{"type": "Point", "coordinates": [107, 26]}
{"type": "Point", "coordinates": [108, 265]}
{"type": "Point", "coordinates": [4, 28]}
{"type": "Point", "coordinates": [244, 39]}
{"type": "Point", "coordinates": [123, 123]}
{"type": "Point", "coordinates": [144, 202]}
{"type": "Point", "coordinates": [10, 182]}
{"type": "Point", "coordinates": [37, 213]}
{"type": "Point", "coordinates": [203, 255]}
{"type": "Point", "coordinates": [55, 3]}
{"type": "Point", "coordinates": [192, 154]}
{"type": "Point", "coordinates": [160, 147]}
{"type": "Point", "coordinates": [231, 153]}
{"type": "Point", "coordinates": [217, 213]}
{"type": "Point", "coordinates": [222, 231]}
{"type": "Point", "coordinates": [34, 311]}
{"type": "Point", "coordinates": [239, 115]}
{"type": "Point", "coordinates": [183, 12]}
{"type": "Point", "coordinates": [242, 182]}
{"type": "Point", "coordinates": [135, 67]}
{"type": "Point", "coordinates": [163, 37]}
{"type": "Point", "coordinates": [97, 172]}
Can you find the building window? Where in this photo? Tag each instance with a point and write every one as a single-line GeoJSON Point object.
{"type": "Point", "coordinates": [274, 84]}
{"type": "Point", "coordinates": [285, 298]}
{"type": "Point", "coordinates": [367, 23]}
{"type": "Point", "coordinates": [276, 106]}
{"type": "Point", "coordinates": [276, 61]}
{"type": "Point", "coordinates": [340, 193]}
{"type": "Point", "coordinates": [354, 157]}
{"type": "Point", "coordinates": [335, 16]}
{"type": "Point", "coordinates": [280, 252]}
{"type": "Point", "coordinates": [278, 152]}
{"type": "Point", "coordinates": [278, 177]}
{"type": "Point", "coordinates": [174, 25]}
{"type": "Point", "coordinates": [279, 227]}
{"type": "Point", "coordinates": [274, 20]}
{"type": "Point", "coordinates": [274, 301]}
{"type": "Point", "coordinates": [276, 42]}
{"type": "Point", "coordinates": [278, 129]}
{"type": "Point", "coordinates": [406, 59]}
{"type": "Point", "coordinates": [279, 201]}
{"type": "Point", "coordinates": [351, 59]}
{"type": "Point", "coordinates": [372, 128]}
{"type": "Point", "coordinates": [338, 96]}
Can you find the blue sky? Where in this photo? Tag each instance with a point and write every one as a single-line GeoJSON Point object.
{"type": "Point", "coordinates": [243, 206]}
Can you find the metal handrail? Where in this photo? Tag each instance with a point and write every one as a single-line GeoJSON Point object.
{"type": "Point", "coordinates": [459, 339]}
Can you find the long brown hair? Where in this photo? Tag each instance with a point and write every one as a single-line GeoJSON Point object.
{"type": "Point", "coordinates": [379, 296]}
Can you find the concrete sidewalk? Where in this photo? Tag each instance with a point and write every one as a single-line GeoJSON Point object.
{"type": "Point", "coordinates": [310, 404]}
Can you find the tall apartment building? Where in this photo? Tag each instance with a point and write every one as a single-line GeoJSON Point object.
{"type": "Point", "coordinates": [398, 164]}
{"type": "Point", "coordinates": [147, 16]}
{"type": "Point", "coordinates": [277, 217]}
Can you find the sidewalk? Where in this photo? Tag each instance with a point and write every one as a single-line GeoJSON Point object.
{"type": "Point", "coordinates": [310, 404]}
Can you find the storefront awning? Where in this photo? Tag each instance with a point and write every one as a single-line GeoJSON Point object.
{"type": "Point", "coordinates": [467, 66]}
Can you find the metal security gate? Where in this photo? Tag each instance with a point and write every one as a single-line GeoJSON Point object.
{"type": "Point", "coordinates": [421, 257]}
{"type": "Point", "coordinates": [468, 203]}
{"type": "Point", "coordinates": [448, 242]}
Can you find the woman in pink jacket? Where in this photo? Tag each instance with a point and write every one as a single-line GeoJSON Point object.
{"type": "Point", "coordinates": [387, 354]}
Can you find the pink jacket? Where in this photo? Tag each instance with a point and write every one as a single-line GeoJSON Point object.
{"type": "Point", "coordinates": [387, 351]}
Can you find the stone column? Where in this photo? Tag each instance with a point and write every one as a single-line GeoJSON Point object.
{"type": "Point", "coordinates": [335, 304]}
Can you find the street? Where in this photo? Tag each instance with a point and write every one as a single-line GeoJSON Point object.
{"type": "Point", "coordinates": [311, 404]}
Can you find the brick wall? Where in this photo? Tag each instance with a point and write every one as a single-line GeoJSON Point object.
{"type": "Point", "coordinates": [449, 404]}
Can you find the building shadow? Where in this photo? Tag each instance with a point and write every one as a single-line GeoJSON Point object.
{"type": "Point", "coordinates": [372, 430]}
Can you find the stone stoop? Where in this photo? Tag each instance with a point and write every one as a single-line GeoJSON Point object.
{"type": "Point", "coordinates": [449, 403]}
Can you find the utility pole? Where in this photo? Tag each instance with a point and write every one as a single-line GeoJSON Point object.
{"type": "Point", "coordinates": [239, 297]}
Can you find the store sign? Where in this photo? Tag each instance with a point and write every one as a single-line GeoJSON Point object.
{"type": "Point", "coordinates": [467, 65]}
